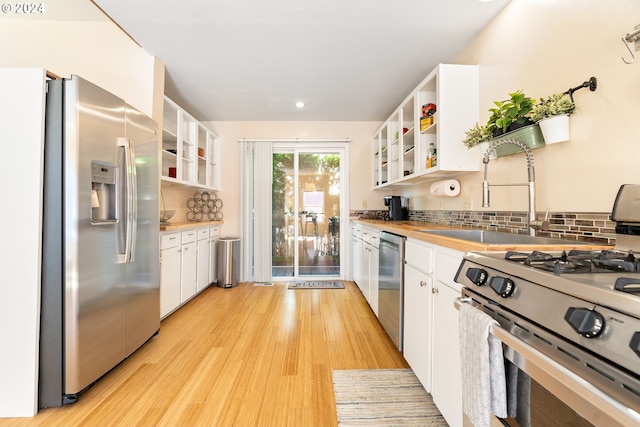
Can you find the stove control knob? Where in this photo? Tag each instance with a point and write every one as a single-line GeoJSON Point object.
{"type": "Point", "coordinates": [635, 343]}
{"type": "Point", "coordinates": [586, 322]}
{"type": "Point", "coordinates": [477, 275]}
{"type": "Point", "coordinates": [502, 286]}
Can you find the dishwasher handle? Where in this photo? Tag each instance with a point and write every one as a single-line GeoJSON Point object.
{"type": "Point", "coordinates": [395, 239]}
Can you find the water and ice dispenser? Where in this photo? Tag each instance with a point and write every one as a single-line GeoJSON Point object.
{"type": "Point", "coordinates": [103, 193]}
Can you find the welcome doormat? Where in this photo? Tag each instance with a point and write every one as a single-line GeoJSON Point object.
{"type": "Point", "coordinates": [383, 397]}
{"type": "Point", "coordinates": [316, 284]}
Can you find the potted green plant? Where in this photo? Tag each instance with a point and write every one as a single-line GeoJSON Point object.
{"type": "Point", "coordinates": [478, 136]}
{"type": "Point", "coordinates": [510, 114]}
{"type": "Point", "coordinates": [509, 119]}
{"type": "Point", "coordinates": [552, 114]}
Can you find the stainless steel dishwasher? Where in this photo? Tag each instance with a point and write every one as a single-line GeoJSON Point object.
{"type": "Point", "coordinates": [391, 285]}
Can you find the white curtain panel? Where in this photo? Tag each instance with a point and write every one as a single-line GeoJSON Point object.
{"type": "Point", "coordinates": [255, 210]}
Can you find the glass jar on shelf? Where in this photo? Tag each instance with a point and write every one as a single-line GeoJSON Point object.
{"type": "Point", "coordinates": [432, 156]}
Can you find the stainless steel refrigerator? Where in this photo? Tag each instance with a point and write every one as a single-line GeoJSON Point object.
{"type": "Point", "coordinates": [100, 257]}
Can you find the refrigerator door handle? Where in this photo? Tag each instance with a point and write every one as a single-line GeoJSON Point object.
{"type": "Point", "coordinates": [130, 201]}
{"type": "Point", "coordinates": [134, 202]}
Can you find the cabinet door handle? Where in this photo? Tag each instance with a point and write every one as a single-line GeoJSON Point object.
{"type": "Point", "coordinates": [435, 290]}
{"type": "Point", "coordinates": [423, 283]}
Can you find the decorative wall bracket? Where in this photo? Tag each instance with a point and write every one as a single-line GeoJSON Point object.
{"type": "Point", "coordinates": [592, 84]}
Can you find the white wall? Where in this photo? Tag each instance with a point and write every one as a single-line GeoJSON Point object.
{"type": "Point", "coordinates": [549, 46]}
{"type": "Point", "coordinates": [97, 51]}
{"type": "Point", "coordinates": [22, 94]}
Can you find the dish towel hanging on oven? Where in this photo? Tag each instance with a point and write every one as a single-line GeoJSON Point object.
{"type": "Point", "coordinates": [482, 363]}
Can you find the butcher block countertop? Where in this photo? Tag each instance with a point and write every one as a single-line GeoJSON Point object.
{"type": "Point", "coordinates": [412, 229]}
{"type": "Point", "coordinates": [175, 226]}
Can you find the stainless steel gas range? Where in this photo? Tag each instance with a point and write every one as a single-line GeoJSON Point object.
{"type": "Point", "coordinates": [577, 311]}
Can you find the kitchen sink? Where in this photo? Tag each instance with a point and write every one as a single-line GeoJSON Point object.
{"type": "Point", "coordinates": [500, 238]}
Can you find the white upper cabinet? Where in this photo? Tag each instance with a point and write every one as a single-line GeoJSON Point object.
{"type": "Point", "coordinates": [416, 144]}
{"type": "Point", "coordinates": [190, 151]}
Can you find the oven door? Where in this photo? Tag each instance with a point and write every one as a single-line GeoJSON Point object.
{"type": "Point", "coordinates": [541, 391]}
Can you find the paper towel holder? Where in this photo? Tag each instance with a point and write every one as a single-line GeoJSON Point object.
{"type": "Point", "coordinates": [445, 188]}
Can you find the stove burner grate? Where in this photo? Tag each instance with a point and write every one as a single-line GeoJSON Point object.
{"type": "Point", "coordinates": [578, 261]}
{"type": "Point", "coordinates": [529, 258]}
{"type": "Point", "coordinates": [560, 266]}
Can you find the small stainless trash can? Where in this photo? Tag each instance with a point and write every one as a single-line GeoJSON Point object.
{"type": "Point", "coordinates": [228, 252]}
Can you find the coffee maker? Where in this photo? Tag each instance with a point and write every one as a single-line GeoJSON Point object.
{"type": "Point", "coordinates": [398, 207]}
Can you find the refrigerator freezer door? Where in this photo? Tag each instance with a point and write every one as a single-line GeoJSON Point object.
{"type": "Point", "coordinates": [95, 291]}
{"type": "Point", "coordinates": [143, 272]}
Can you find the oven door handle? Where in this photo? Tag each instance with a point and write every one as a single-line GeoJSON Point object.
{"type": "Point", "coordinates": [587, 400]}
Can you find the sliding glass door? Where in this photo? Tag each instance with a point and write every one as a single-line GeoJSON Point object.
{"type": "Point", "coordinates": [307, 206]}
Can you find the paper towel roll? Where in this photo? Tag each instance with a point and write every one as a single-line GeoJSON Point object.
{"type": "Point", "coordinates": [446, 188]}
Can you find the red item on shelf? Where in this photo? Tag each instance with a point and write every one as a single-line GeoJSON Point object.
{"type": "Point", "coordinates": [428, 109]}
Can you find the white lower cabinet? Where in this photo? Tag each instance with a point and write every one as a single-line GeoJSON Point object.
{"type": "Point", "coordinates": [204, 255]}
{"type": "Point", "coordinates": [374, 263]}
{"type": "Point", "coordinates": [446, 388]}
{"type": "Point", "coordinates": [365, 251]}
{"type": "Point", "coordinates": [356, 255]}
{"type": "Point", "coordinates": [169, 273]}
{"type": "Point", "coordinates": [187, 265]}
{"type": "Point", "coordinates": [431, 345]}
{"type": "Point", "coordinates": [447, 379]}
{"type": "Point", "coordinates": [417, 312]}
{"type": "Point", "coordinates": [365, 260]}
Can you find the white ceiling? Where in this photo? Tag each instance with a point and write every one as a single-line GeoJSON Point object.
{"type": "Point", "coordinates": [253, 59]}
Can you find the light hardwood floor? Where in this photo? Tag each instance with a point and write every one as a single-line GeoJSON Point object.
{"type": "Point", "coordinates": [245, 356]}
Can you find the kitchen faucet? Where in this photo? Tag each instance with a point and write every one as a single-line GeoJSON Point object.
{"type": "Point", "coordinates": [533, 223]}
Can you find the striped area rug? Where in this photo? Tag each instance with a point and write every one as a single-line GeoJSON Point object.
{"type": "Point", "coordinates": [383, 397]}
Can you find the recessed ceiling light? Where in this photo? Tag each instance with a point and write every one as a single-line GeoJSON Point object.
{"type": "Point", "coordinates": [300, 104]}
